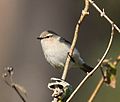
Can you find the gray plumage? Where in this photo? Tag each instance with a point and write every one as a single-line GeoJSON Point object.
{"type": "Point", "coordinates": [56, 49]}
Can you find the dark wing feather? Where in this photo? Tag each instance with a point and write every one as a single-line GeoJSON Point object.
{"type": "Point", "coordinates": [62, 40]}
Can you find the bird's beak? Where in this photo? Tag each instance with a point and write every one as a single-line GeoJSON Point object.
{"type": "Point", "coordinates": [39, 38]}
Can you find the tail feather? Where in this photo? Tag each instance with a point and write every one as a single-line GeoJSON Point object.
{"type": "Point", "coordinates": [86, 68]}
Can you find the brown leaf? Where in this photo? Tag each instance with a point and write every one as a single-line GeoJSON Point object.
{"type": "Point", "coordinates": [111, 75]}
{"type": "Point", "coordinates": [113, 81]}
{"type": "Point", "coordinates": [21, 89]}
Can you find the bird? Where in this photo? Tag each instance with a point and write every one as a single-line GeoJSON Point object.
{"type": "Point", "coordinates": [56, 50]}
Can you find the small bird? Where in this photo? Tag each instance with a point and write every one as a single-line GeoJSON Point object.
{"type": "Point", "coordinates": [56, 50]}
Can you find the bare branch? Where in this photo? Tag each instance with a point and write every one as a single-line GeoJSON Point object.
{"type": "Point", "coordinates": [99, 85]}
{"type": "Point", "coordinates": [96, 67]}
{"type": "Point", "coordinates": [8, 79]}
{"type": "Point", "coordinates": [19, 94]}
{"type": "Point", "coordinates": [102, 13]}
{"type": "Point", "coordinates": [103, 78]}
{"type": "Point", "coordinates": [84, 13]}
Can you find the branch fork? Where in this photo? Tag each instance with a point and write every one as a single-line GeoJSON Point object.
{"type": "Point", "coordinates": [85, 12]}
{"type": "Point", "coordinates": [8, 79]}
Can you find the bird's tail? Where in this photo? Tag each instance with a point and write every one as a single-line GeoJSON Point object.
{"type": "Point", "coordinates": [86, 68]}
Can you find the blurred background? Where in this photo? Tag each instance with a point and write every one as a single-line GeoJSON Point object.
{"type": "Point", "coordinates": [21, 21]}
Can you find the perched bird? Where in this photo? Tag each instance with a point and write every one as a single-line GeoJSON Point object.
{"type": "Point", "coordinates": [56, 48]}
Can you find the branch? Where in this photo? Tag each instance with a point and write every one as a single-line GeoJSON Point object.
{"type": "Point", "coordinates": [103, 78]}
{"type": "Point", "coordinates": [102, 13]}
{"type": "Point", "coordinates": [18, 92]}
{"type": "Point", "coordinates": [84, 13]}
{"type": "Point", "coordinates": [59, 98]}
{"type": "Point", "coordinates": [99, 85]}
{"type": "Point", "coordinates": [8, 79]}
{"type": "Point", "coordinates": [96, 67]}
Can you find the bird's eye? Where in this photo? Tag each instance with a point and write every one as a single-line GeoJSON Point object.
{"type": "Point", "coordinates": [47, 36]}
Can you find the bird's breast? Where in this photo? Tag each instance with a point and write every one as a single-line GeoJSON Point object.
{"type": "Point", "coordinates": [55, 52]}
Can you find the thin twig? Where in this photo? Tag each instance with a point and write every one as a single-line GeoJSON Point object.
{"type": "Point", "coordinates": [99, 85]}
{"type": "Point", "coordinates": [96, 67]}
{"type": "Point", "coordinates": [8, 79]}
{"type": "Point", "coordinates": [102, 80]}
{"type": "Point", "coordinates": [84, 13]}
{"type": "Point", "coordinates": [19, 94]}
{"type": "Point", "coordinates": [102, 13]}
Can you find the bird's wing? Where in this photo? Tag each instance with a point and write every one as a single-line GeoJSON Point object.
{"type": "Point", "coordinates": [62, 40]}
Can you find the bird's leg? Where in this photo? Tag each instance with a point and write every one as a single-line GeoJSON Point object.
{"type": "Point", "coordinates": [72, 59]}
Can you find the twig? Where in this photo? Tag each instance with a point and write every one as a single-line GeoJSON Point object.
{"type": "Point", "coordinates": [102, 13]}
{"type": "Point", "coordinates": [102, 80]}
{"type": "Point", "coordinates": [8, 79]}
{"type": "Point", "coordinates": [96, 67]}
{"type": "Point", "coordinates": [19, 94]}
{"type": "Point", "coordinates": [84, 13]}
{"type": "Point", "coordinates": [99, 85]}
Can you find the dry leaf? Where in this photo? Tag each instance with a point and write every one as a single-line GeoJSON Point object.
{"type": "Point", "coordinates": [111, 75]}
{"type": "Point", "coordinates": [21, 89]}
